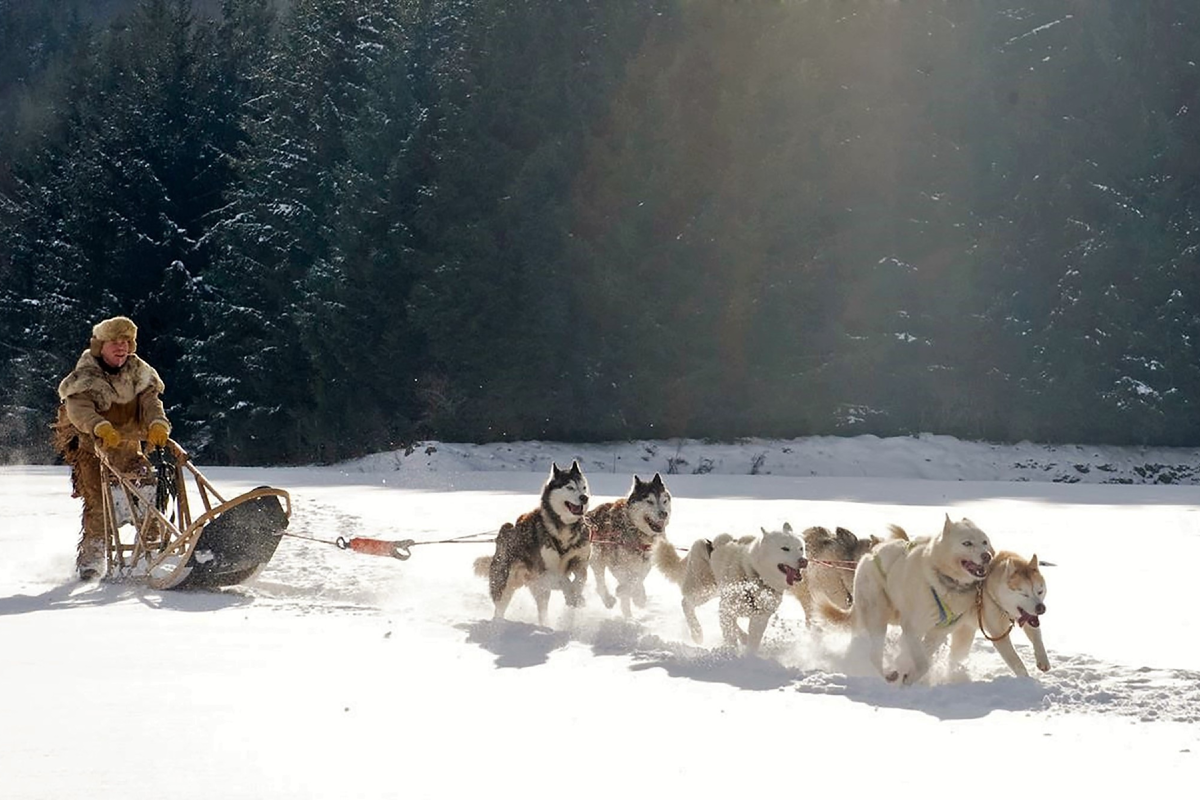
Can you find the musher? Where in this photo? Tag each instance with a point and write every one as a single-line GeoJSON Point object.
{"type": "Point", "coordinates": [110, 401]}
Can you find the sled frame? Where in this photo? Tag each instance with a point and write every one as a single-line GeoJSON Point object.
{"type": "Point", "coordinates": [161, 545]}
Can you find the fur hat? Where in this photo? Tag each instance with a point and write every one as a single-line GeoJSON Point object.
{"type": "Point", "coordinates": [112, 330]}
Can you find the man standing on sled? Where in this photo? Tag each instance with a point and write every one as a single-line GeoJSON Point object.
{"type": "Point", "coordinates": [110, 401]}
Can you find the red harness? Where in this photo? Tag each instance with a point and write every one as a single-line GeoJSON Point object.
{"type": "Point", "coordinates": [593, 537]}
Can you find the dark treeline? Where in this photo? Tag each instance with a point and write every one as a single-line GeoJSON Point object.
{"type": "Point", "coordinates": [343, 226]}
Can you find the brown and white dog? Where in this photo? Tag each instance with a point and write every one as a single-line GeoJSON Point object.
{"type": "Point", "coordinates": [1013, 595]}
{"type": "Point", "coordinates": [622, 534]}
{"type": "Point", "coordinates": [545, 549]}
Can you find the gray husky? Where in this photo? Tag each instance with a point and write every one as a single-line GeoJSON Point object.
{"type": "Point", "coordinates": [622, 534]}
{"type": "Point", "coordinates": [545, 549]}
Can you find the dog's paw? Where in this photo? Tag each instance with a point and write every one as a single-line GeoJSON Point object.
{"type": "Point", "coordinates": [609, 601]}
{"type": "Point", "coordinates": [1044, 666]}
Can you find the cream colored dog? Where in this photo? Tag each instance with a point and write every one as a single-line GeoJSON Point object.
{"type": "Point", "coordinates": [926, 585]}
{"type": "Point", "coordinates": [749, 575]}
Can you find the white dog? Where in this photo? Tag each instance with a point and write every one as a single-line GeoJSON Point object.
{"type": "Point", "coordinates": [749, 574]}
{"type": "Point", "coordinates": [1013, 595]}
{"type": "Point", "coordinates": [926, 585]}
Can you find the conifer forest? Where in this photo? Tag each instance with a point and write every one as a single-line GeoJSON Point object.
{"type": "Point", "coordinates": [343, 226]}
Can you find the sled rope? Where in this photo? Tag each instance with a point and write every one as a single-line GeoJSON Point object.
{"type": "Point", "coordinates": [849, 566]}
{"type": "Point", "coordinates": [400, 549]}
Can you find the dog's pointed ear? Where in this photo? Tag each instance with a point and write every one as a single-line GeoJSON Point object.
{"type": "Point", "coordinates": [638, 482]}
{"type": "Point", "coordinates": [787, 527]}
{"type": "Point", "coordinates": [846, 537]}
{"type": "Point", "coordinates": [764, 530]}
{"type": "Point", "coordinates": [554, 470]}
{"type": "Point", "coordinates": [947, 524]}
{"type": "Point", "coordinates": [657, 481]}
{"type": "Point", "coordinates": [575, 468]}
{"type": "Point", "coordinates": [1033, 562]}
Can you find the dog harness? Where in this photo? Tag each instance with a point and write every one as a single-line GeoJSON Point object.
{"type": "Point", "coordinates": [945, 620]}
{"type": "Point", "coordinates": [622, 540]}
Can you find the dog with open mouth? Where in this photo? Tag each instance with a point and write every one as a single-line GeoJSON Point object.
{"type": "Point", "coordinates": [927, 586]}
{"type": "Point", "coordinates": [750, 576]}
{"type": "Point", "coordinates": [623, 533]}
{"type": "Point", "coordinates": [546, 549]}
{"type": "Point", "coordinates": [1012, 596]}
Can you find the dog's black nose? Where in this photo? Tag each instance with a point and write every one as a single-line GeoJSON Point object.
{"type": "Point", "coordinates": [803, 563]}
{"type": "Point", "coordinates": [1041, 609]}
{"type": "Point", "coordinates": [987, 558]}
{"type": "Point", "coordinates": [583, 500]}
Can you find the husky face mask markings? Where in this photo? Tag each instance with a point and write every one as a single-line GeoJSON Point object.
{"type": "Point", "coordinates": [622, 534]}
{"type": "Point", "coordinates": [545, 549]}
{"type": "Point", "coordinates": [566, 497]}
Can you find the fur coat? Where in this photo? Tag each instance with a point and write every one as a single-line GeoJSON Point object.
{"type": "Point", "coordinates": [128, 397]}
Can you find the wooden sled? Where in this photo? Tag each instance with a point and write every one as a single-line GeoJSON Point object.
{"type": "Point", "coordinates": [228, 543]}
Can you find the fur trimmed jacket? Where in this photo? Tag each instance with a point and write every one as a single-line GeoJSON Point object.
{"type": "Point", "coordinates": [127, 397]}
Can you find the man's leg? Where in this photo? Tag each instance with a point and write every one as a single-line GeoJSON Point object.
{"type": "Point", "coordinates": [92, 553]}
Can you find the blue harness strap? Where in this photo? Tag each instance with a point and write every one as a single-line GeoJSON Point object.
{"type": "Point", "coordinates": [944, 619]}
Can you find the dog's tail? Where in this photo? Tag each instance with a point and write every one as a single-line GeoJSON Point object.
{"type": "Point", "coordinates": [831, 612]}
{"type": "Point", "coordinates": [898, 533]}
{"type": "Point", "coordinates": [667, 559]}
{"type": "Point", "coordinates": [483, 564]}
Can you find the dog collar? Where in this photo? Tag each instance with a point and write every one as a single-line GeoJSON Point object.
{"type": "Point", "coordinates": [983, 592]}
{"type": "Point", "coordinates": [951, 585]}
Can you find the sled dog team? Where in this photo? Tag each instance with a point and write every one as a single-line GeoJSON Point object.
{"type": "Point", "coordinates": [933, 588]}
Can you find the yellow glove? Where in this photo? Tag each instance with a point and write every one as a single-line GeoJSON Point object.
{"type": "Point", "coordinates": [107, 434]}
{"type": "Point", "coordinates": [157, 434]}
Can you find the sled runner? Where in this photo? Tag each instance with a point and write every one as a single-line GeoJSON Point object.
{"type": "Point", "coordinates": [226, 544]}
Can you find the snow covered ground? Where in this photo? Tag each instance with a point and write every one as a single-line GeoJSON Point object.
{"type": "Point", "coordinates": [341, 675]}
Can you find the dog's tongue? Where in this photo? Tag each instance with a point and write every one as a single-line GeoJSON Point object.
{"type": "Point", "coordinates": [790, 573]}
{"type": "Point", "coordinates": [1032, 620]}
{"type": "Point", "coordinates": [575, 509]}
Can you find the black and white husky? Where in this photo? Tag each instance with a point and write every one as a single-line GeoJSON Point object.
{"type": "Point", "coordinates": [545, 549]}
{"type": "Point", "coordinates": [623, 534]}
